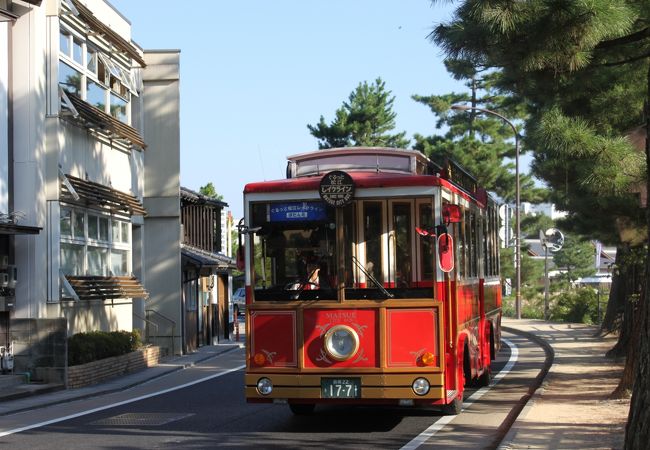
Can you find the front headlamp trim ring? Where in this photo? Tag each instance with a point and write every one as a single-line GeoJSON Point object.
{"type": "Point", "coordinates": [327, 340]}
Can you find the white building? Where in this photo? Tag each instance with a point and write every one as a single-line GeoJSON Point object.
{"type": "Point", "coordinates": [89, 157]}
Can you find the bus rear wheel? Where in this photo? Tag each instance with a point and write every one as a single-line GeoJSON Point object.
{"type": "Point", "coordinates": [302, 409]}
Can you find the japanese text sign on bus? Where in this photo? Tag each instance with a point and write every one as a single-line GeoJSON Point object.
{"type": "Point", "coordinates": [297, 211]}
{"type": "Point", "coordinates": [337, 188]}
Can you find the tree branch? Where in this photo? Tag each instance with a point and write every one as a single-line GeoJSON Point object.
{"type": "Point", "coordinates": [634, 37]}
{"type": "Point", "coordinates": [626, 61]}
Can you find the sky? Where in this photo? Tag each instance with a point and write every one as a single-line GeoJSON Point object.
{"type": "Point", "coordinates": [255, 73]}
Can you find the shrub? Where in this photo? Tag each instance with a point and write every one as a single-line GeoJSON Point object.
{"type": "Point", "coordinates": [578, 306]}
{"type": "Point", "coordinates": [87, 347]}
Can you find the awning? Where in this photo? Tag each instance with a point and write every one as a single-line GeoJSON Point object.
{"type": "Point", "coordinates": [203, 258]}
{"type": "Point", "coordinates": [12, 228]}
{"type": "Point", "coordinates": [98, 26]}
{"type": "Point", "coordinates": [106, 288]}
{"type": "Point", "coordinates": [93, 118]}
{"type": "Point", "coordinates": [89, 194]}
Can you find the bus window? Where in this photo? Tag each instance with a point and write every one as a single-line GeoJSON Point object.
{"type": "Point", "coordinates": [425, 212]}
{"type": "Point", "coordinates": [295, 259]}
{"type": "Point", "coordinates": [401, 266]}
{"type": "Point", "coordinates": [372, 232]}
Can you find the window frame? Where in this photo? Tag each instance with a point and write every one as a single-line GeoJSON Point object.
{"type": "Point", "coordinates": [86, 241]}
{"type": "Point", "coordinates": [114, 72]}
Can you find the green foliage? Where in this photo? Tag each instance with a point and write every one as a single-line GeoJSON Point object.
{"type": "Point", "coordinates": [210, 191]}
{"type": "Point", "coordinates": [576, 257]}
{"type": "Point", "coordinates": [366, 119]}
{"type": "Point", "coordinates": [578, 306]}
{"type": "Point", "coordinates": [580, 67]}
{"type": "Point", "coordinates": [95, 345]}
{"type": "Point", "coordinates": [480, 142]}
{"type": "Point", "coordinates": [531, 224]}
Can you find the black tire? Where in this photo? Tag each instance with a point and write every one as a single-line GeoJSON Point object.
{"type": "Point", "coordinates": [302, 409]}
{"type": "Point", "coordinates": [454, 408]}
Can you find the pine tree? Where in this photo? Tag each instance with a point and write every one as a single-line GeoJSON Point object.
{"type": "Point", "coordinates": [365, 120]}
{"type": "Point", "coordinates": [583, 69]}
{"type": "Point", "coordinates": [481, 143]}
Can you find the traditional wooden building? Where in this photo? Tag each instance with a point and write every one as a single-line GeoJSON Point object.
{"type": "Point", "coordinates": [206, 269]}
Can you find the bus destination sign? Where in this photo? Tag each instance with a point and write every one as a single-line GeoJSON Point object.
{"type": "Point", "coordinates": [337, 189]}
{"type": "Point", "coordinates": [297, 212]}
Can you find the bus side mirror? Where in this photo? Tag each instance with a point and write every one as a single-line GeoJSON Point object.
{"type": "Point", "coordinates": [446, 252]}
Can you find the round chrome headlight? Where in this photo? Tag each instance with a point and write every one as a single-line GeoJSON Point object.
{"type": "Point", "coordinates": [421, 386]}
{"type": "Point", "coordinates": [264, 386]}
{"type": "Point", "coordinates": [341, 342]}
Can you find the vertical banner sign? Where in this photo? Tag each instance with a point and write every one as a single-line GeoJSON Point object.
{"type": "Point", "coordinates": [337, 188]}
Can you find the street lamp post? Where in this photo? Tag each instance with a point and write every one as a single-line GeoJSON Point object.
{"type": "Point", "coordinates": [517, 199]}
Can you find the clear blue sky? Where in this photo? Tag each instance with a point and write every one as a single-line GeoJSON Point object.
{"type": "Point", "coordinates": [255, 73]}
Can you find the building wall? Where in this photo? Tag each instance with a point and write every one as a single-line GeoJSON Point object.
{"type": "Point", "coordinates": [45, 144]}
{"type": "Point", "coordinates": [162, 235]}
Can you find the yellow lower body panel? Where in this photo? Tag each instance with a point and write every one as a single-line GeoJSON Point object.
{"type": "Point", "coordinates": [373, 387]}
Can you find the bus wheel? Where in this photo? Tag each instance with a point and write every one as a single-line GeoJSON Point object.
{"type": "Point", "coordinates": [302, 409]}
{"type": "Point", "coordinates": [453, 408]}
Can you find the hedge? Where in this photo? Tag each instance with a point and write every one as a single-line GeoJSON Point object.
{"type": "Point", "coordinates": [95, 345]}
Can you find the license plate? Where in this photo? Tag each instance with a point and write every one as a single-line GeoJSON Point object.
{"type": "Point", "coordinates": [340, 387]}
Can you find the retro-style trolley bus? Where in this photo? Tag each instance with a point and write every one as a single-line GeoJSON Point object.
{"type": "Point", "coordinates": [372, 277]}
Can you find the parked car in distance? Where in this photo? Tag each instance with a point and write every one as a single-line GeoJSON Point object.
{"type": "Point", "coordinates": [239, 301]}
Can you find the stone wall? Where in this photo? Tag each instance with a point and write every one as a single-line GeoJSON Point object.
{"type": "Point", "coordinates": [103, 369]}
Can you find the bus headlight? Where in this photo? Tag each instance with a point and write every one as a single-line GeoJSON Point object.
{"type": "Point", "coordinates": [264, 386]}
{"type": "Point", "coordinates": [421, 386]}
{"type": "Point", "coordinates": [341, 342]}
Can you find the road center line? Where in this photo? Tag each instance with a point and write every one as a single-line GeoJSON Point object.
{"type": "Point", "coordinates": [113, 405]}
{"type": "Point", "coordinates": [444, 420]}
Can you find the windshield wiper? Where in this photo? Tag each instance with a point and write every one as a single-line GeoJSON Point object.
{"type": "Point", "coordinates": [371, 277]}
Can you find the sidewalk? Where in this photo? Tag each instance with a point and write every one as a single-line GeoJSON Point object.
{"type": "Point", "coordinates": [571, 409]}
{"type": "Point", "coordinates": [36, 396]}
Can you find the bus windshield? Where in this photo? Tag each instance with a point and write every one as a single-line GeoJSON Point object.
{"type": "Point", "coordinates": [295, 258]}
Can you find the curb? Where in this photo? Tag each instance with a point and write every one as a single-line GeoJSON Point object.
{"type": "Point", "coordinates": [526, 402]}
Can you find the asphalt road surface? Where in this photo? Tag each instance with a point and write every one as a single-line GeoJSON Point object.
{"type": "Point", "coordinates": [203, 407]}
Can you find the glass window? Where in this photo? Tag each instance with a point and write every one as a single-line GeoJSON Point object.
{"type": "Point", "coordinates": [118, 108]}
{"type": "Point", "coordinates": [69, 79]}
{"type": "Point", "coordinates": [72, 259]}
{"type": "Point", "coordinates": [372, 231]}
{"type": "Point", "coordinates": [92, 227]}
{"type": "Point", "coordinates": [402, 229]}
{"type": "Point", "coordinates": [115, 227]}
{"type": "Point", "coordinates": [91, 60]}
{"type": "Point", "coordinates": [97, 261]}
{"type": "Point", "coordinates": [78, 230]}
{"type": "Point", "coordinates": [96, 95]}
{"type": "Point", "coordinates": [64, 42]}
{"type": "Point", "coordinates": [77, 51]}
{"type": "Point", "coordinates": [125, 232]}
{"type": "Point", "coordinates": [103, 229]}
{"type": "Point", "coordinates": [425, 212]}
{"type": "Point", "coordinates": [119, 262]}
{"type": "Point", "coordinates": [66, 222]}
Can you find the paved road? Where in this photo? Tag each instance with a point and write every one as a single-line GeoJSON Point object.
{"type": "Point", "coordinates": [208, 410]}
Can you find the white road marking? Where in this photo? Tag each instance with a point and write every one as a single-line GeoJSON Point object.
{"type": "Point", "coordinates": [113, 405]}
{"type": "Point", "coordinates": [444, 420]}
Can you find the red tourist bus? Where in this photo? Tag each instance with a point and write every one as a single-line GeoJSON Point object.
{"type": "Point", "coordinates": [372, 277]}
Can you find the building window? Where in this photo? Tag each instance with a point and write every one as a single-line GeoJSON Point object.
{"type": "Point", "coordinates": [93, 76]}
{"type": "Point", "coordinates": [87, 247]}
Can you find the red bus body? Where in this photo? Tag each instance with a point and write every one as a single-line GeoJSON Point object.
{"type": "Point", "coordinates": [407, 307]}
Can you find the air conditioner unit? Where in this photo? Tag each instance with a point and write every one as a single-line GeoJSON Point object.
{"type": "Point", "coordinates": [4, 279]}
